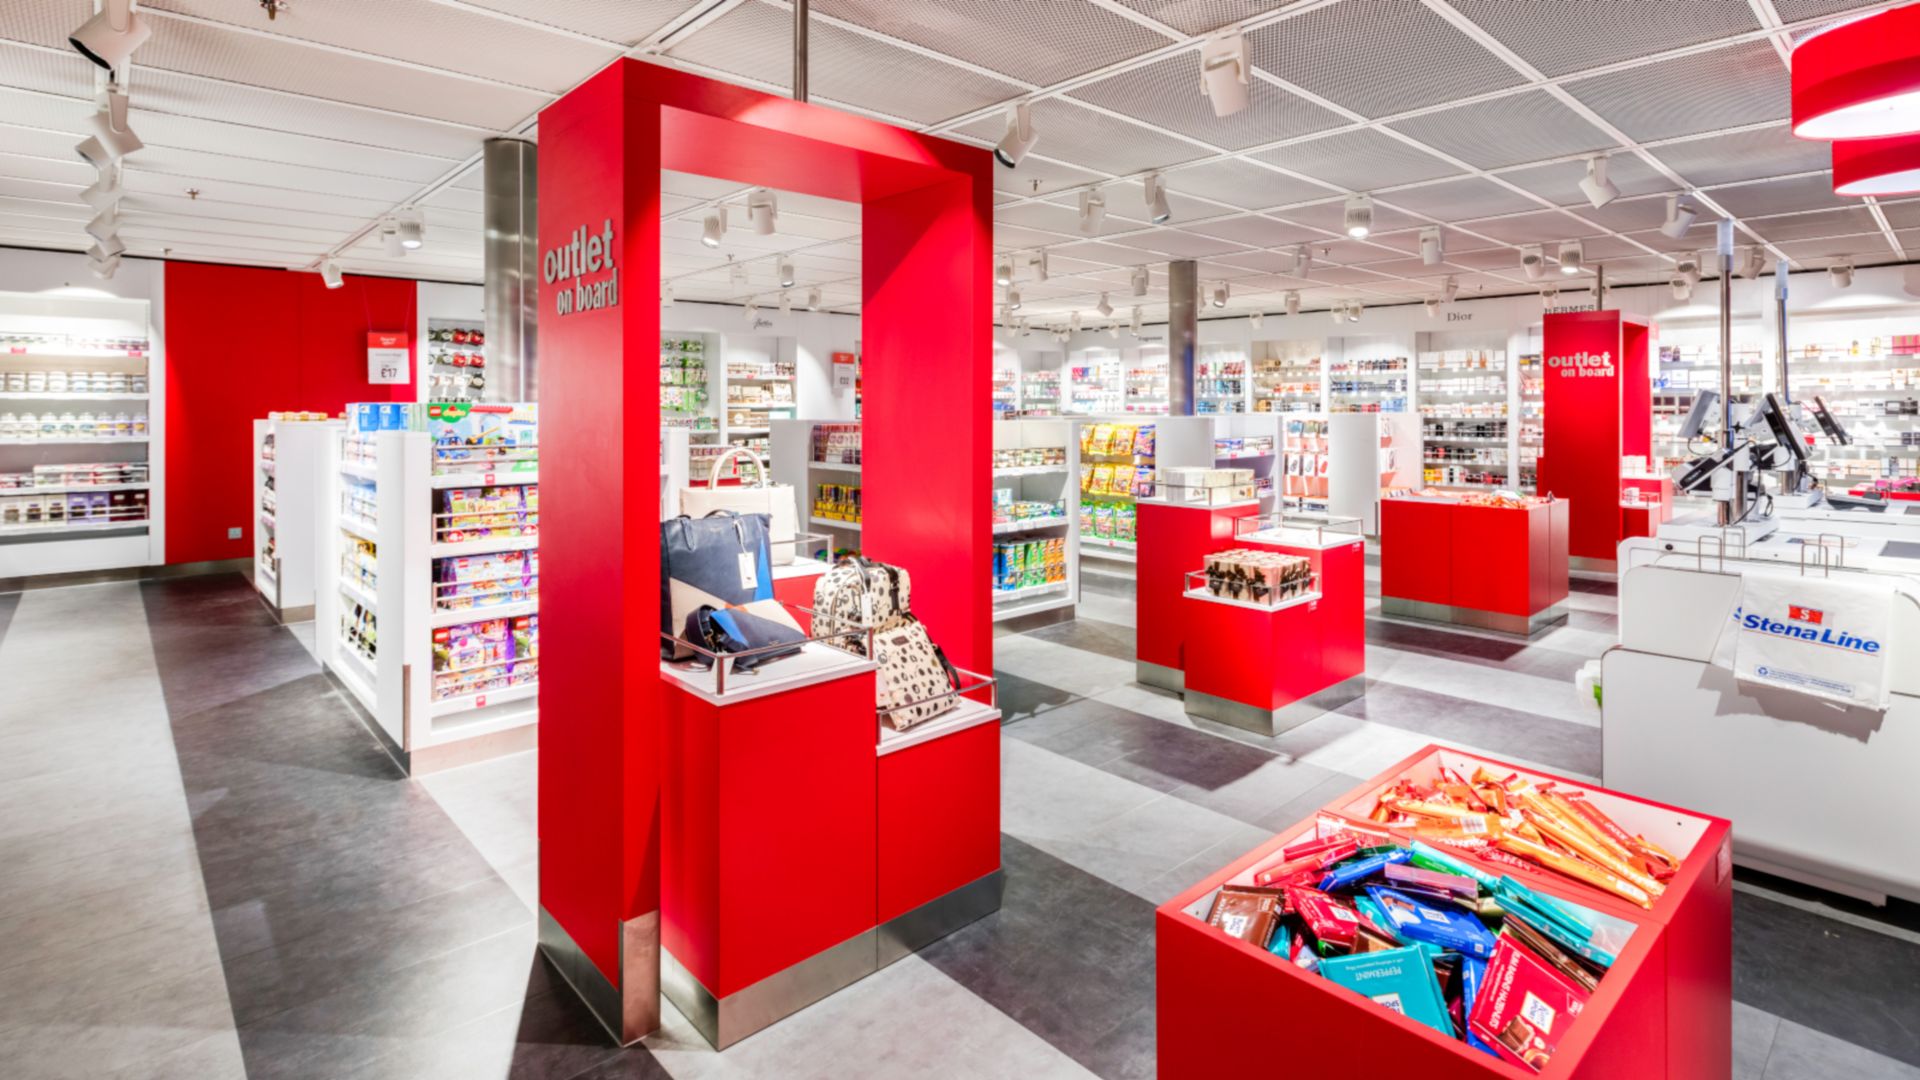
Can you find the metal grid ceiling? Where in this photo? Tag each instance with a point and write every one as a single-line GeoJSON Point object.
{"type": "Point", "coordinates": [282, 142]}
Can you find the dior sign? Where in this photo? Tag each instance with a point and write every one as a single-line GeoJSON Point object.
{"type": "Point", "coordinates": [583, 254]}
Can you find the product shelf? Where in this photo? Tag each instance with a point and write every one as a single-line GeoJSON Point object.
{"type": "Point", "coordinates": [1031, 470]}
{"type": "Point", "coordinates": [490, 545]}
{"type": "Point", "coordinates": [465, 703]}
{"type": "Point", "coordinates": [834, 466]}
{"type": "Point", "coordinates": [73, 489]}
{"type": "Point", "coordinates": [360, 527]}
{"type": "Point", "coordinates": [358, 471]}
{"type": "Point", "coordinates": [1027, 592]}
{"type": "Point", "coordinates": [835, 523]}
{"type": "Point", "coordinates": [78, 440]}
{"type": "Point", "coordinates": [359, 595]}
{"type": "Point", "coordinates": [72, 528]}
{"type": "Point", "coordinates": [477, 479]}
{"type": "Point", "coordinates": [45, 395]}
{"type": "Point", "coordinates": [1030, 525]}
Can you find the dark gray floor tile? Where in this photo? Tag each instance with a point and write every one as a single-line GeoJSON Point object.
{"type": "Point", "coordinates": [1852, 983]}
{"type": "Point", "coordinates": [1154, 753]}
{"type": "Point", "coordinates": [1304, 805]}
{"type": "Point", "coordinates": [1554, 743]}
{"type": "Point", "coordinates": [1020, 698]}
{"type": "Point", "coordinates": [1069, 956]}
{"type": "Point", "coordinates": [1091, 635]}
{"type": "Point", "coordinates": [1596, 587]}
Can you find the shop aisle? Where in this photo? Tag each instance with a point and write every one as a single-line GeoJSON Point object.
{"type": "Point", "coordinates": [179, 786]}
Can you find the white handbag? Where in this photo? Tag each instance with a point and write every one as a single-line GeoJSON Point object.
{"type": "Point", "coordinates": [774, 500]}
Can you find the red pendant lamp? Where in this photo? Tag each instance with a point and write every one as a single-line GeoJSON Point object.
{"type": "Point", "coordinates": [1888, 166]}
{"type": "Point", "coordinates": [1859, 79]}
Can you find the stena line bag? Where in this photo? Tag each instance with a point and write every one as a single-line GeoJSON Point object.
{"type": "Point", "coordinates": [720, 560]}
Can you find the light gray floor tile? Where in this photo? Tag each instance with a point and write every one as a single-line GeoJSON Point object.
{"type": "Point", "coordinates": [1753, 1032]}
{"type": "Point", "coordinates": [1801, 1053]}
{"type": "Point", "coordinates": [1476, 682]}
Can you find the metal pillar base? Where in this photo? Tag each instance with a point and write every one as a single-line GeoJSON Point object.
{"type": "Point", "coordinates": [632, 1009]}
{"type": "Point", "coordinates": [1275, 721]}
{"type": "Point", "coordinates": [725, 1021]}
{"type": "Point", "coordinates": [1165, 678]}
{"type": "Point", "coordinates": [1516, 625]}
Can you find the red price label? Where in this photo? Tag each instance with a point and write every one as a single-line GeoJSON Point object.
{"type": "Point", "coordinates": [135, 352]}
{"type": "Point", "coordinates": [480, 702]}
{"type": "Point", "coordinates": [487, 478]}
{"type": "Point", "coordinates": [17, 350]}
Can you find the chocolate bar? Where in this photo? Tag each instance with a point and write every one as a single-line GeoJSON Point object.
{"type": "Point", "coordinates": [1246, 914]}
{"type": "Point", "coordinates": [1524, 1007]}
{"type": "Point", "coordinates": [1449, 929]}
{"type": "Point", "coordinates": [1458, 885]}
{"type": "Point", "coordinates": [1350, 874]}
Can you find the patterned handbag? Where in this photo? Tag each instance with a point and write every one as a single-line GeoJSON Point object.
{"type": "Point", "coordinates": [914, 683]}
{"type": "Point", "coordinates": [858, 594]}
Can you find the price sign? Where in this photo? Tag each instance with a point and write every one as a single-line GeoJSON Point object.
{"type": "Point", "coordinates": [388, 358]}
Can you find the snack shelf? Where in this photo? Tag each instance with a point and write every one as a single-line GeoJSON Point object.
{"type": "Point", "coordinates": [1035, 558]}
{"type": "Point", "coordinates": [482, 479]}
{"type": "Point", "coordinates": [453, 706]}
{"type": "Point", "coordinates": [459, 616]}
{"type": "Point", "coordinates": [834, 523]}
{"type": "Point", "coordinates": [71, 528]}
{"type": "Point", "coordinates": [488, 545]}
{"type": "Point", "coordinates": [1003, 528]}
{"type": "Point", "coordinates": [1027, 592]}
{"type": "Point", "coordinates": [72, 489]}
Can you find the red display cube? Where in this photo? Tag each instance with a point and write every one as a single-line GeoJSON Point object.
{"type": "Point", "coordinates": [1664, 1009]}
{"type": "Point", "coordinates": [1497, 568]}
{"type": "Point", "coordinates": [1173, 538]}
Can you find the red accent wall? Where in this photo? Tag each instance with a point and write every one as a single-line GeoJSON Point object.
{"type": "Point", "coordinates": [242, 342]}
{"type": "Point", "coordinates": [1595, 414]}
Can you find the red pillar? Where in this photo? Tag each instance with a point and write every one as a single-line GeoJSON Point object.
{"type": "Point", "coordinates": [1598, 409]}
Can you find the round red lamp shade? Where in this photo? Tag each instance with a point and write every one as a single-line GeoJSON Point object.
{"type": "Point", "coordinates": [1861, 79]}
{"type": "Point", "coordinates": [1877, 166]}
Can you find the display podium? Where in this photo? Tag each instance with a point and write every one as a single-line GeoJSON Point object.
{"type": "Point", "coordinates": [1173, 539]}
{"type": "Point", "coordinates": [1663, 1010]}
{"type": "Point", "coordinates": [1496, 568]}
{"type": "Point", "coordinates": [1646, 503]}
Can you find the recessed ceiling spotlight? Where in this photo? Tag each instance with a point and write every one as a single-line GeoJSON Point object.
{"type": "Point", "coordinates": [1256, 319]}
{"type": "Point", "coordinates": [1430, 252]}
{"type": "Point", "coordinates": [1093, 211]}
{"type": "Point", "coordinates": [1159, 211]}
{"type": "Point", "coordinates": [1019, 138]}
{"type": "Point", "coordinates": [763, 211]}
{"type": "Point", "coordinates": [1533, 262]}
{"type": "Point", "coordinates": [1433, 307]}
{"type": "Point", "coordinates": [1103, 307]}
{"type": "Point", "coordinates": [786, 274]}
{"type": "Point", "coordinates": [1598, 189]}
{"type": "Point", "coordinates": [330, 274]}
{"type": "Point", "coordinates": [111, 35]}
{"type": "Point", "coordinates": [412, 227]}
{"type": "Point", "coordinates": [1841, 274]}
{"type": "Point", "coordinates": [1572, 257]}
{"type": "Point", "coordinates": [813, 299]}
{"type": "Point", "coordinates": [1039, 264]}
{"type": "Point", "coordinates": [1293, 302]}
{"type": "Point", "coordinates": [1142, 278]}
{"type": "Point", "coordinates": [1013, 299]}
{"type": "Point", "coordinates": [1221, 292]}
{"type": "Point", "coordinates": [1450, 288]}
{"type": "Point", "coordinates": [713, 226]}
{"type": "Point", "coordinates": [1226, 73]}
{"type": "Point", "coordinates": [1680, 217]}
{"type": "Point", "coordinates": [1003, 272]}
{"type": "Point", "coordinates": [1359, 217]}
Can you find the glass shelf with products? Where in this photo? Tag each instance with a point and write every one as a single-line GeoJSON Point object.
{"type": "Point", "coordinates": [1368, 384]}
{"type": "Point", "coordinates": [1040, 393]}
{"type": "Point", "coordinates": [1094, 386]}
{"type": "Point", "coordinates": [1286, 376]}
{"type": "Point", "coordinates": [456, 360]}
{"type": "Point", "coordinates": [1006, 392]}
{"type": "Point", "coordinates": [1531, 371]}
{"type": "Point", "coordinates": [1220, 380]}
{"type": "Point", "coordinates": [685, 381]}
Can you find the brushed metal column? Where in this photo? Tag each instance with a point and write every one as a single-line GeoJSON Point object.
{"type": "Point", "coordinates": [800, 50]}
{"type": "Point", "coordinates": [1183, 333]}
{"type": "Point", "coordinates": [511, 287]}
{"type": "Point", "coordinates": [1736, 510]}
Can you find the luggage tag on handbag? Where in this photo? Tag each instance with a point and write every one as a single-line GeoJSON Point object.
{"type": "Point", "coordinates": [749, 571]}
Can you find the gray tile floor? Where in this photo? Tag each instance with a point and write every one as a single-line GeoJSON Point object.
{"type": "Point", "coordinates": [212, 871]}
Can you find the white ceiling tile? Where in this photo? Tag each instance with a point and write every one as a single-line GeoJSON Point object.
{"type": "Point", "coordinates": [1040, 43]}
{"type": "Point", "coordinates": [1167, 94]}
{"type": "Point", "coordinates": [1710, 91]}
{"type": "Point", "coordinates": [1378, 59]}
{"type": "Point", "coordinates": [1559, 38]}
{"type": "Point", "coordinates": [1532, 126]}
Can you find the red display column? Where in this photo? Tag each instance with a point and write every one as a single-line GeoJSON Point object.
{"type": "Point", "coordinates": [1646, 503]}
{"type": "Point", "coordinates": [1173, 539]}
{"type": "Point", "coordinates": [926, 319]}
{"type": "Point", "coordinates": [1494, 567]}
{"type": "Point", "coordinates": [1598, 407]}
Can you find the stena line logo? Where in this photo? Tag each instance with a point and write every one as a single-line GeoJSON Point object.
{"type": "Point", "coordinates": [1808, 625]}
{"type": "Point", "coordinates": [584, 253]}
{"type": "Point", "coordinates": [1583, 365]}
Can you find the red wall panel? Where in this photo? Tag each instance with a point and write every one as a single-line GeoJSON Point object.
{"type": "Point", "coordinates": [244, 341]}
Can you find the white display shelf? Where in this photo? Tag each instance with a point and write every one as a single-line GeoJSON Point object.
{"type": "Point", "coordinates": [747, 430]}
{"type": "Point", "coordinates": [835, 523]}
{"type": "Point", "coordinates": [1105, 546]}
{"type": "Point", "coordinates": [834, 466]}
{"type": "Point", "coordinates": [464, 703]}
{"type": "Point", "coordinates": [1292, 601]}
{"type": "Point", "coordinates": [483, 479]}
{"type": "Point", "coordinates": [360, 471]}
{"type": "Point", "coordinates": [47, 395]}
{"type": "Point", "coordinates": [1031, 470]}
{"type": "Point", "coordinates": [1027, 592]}
{"type": "Point", "coordinates": [813, 664]}
{"type": "Point", "coordinates": [71, 528]}
{"type": "Point", "coordinates": [462, 616]}
{"type": "Point", "coordinates": [72, 489]}
{"type": "Point", "coordinates": [359, 595]}
{"type": "Point", "coordinates": [79, 440]}
{"type": "Point", "coordinates": [490, 545]}
{"type": "Point", "coordinates": [968, 714]}
{"type": "Point", "coordinates": [765, 406]}
{"type": "Point", "coordinates": [1031, 524]}
{"type": "Point", "coordinates": [360, 527]}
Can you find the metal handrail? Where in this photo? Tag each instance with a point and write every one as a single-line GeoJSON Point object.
{"type": "Point", "coordinates": [980, 682]}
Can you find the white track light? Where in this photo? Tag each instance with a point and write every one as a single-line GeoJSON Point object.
{"type": "Point", "coordinates": [1598, 189]}
{"type": "Point", "coordinates": [713, 226]}
{"type": "Point", "coordinates": [1572, 257]}
{"type": "Point", "coordinates": [1450, 288]}
{"type": "Point", "coordinates": [1302, 261]}
{"type": "Point", "coordinates": [390, 240]}
{"type": "Point", "coordinates": [1680, 217]}
{"type": "Point", "coordinates": [1134, 324]}
{"type": "Point", "coordinates": [1220, 294]}
{"type": "Point", "coordinates": [1293, 303]}
{"type": "Point", "coordinates": [1359, 216]}
{"type": "Point", "coordinates": [1354, 308]}
{"type": "Point", "coordinates": [1003, 272]}
{"type": "Point", "coordinates": [1039, 264]}
{"type": "Point", "coordinates": [412, 227]}
{"type": "Point", "coordinates": [1533, 262]}
{"type": "Point", "coordinates": [813, 299]}
{"type": "Point", "coordinates": [104, 192]}
{"type": "Point", "coordinates": [1256, 319]}
{"type": "Point", "coordinates": [1430, 252]}
{"type": "Point", "coordinates": [762, 210]}
{"type": "Point", "coordinates": [1689, 268]}
{"type": "Point", "coordinates": [786, 274]}
{"type": "Point", "coordinates": [112, 139]}
{"type": "Point", "coordinates": [1841, 274]}
{"type": "Point", "coordinates": [1019, 138]}
{"type": "Point", "coordinates": [104, 224]}
{"type": "Point", "coordinates": [1013, 299]}
{"type": "Point", "coordinates": [1548, 295]}
{"type": "Point", "coordinates": [786, 303]}
{"type": "Point", "coordinates": [1073, 322]}
{"type": "Point", "coordinates": [1104, 307]}
{"type": "Point", "coordinates": [1338, 313]}
{"type": "Point", "coordinates": [1682, 288]}
{"type": "Point", "coordinates": [1225, 74]}
{"type": "Point", "coordinates": [1142, 278]}
{"type": "Point", "coordinates": [104, 268]}
{"type": "Point", "coordinates": [1433, 307]}
{"type": "Point", "coordinates": [1093, 211]}
{"type": "Point", "coordinates": [1159, 211]}
{"type": "Point", "coordinates": [1113, 330]}
{"type": "Point", "coordinates": [752, 310]}
{"type": "Point", "coordinates": [111, 35]}
{"type": "Point", "coordinates": [666, 296]}
{"type": "Point", "coordinates": [330, 274]}
{"type": "Point", "coordinates": [110, 248]}
{"type": "Point", "coordinates": [1752, 260]}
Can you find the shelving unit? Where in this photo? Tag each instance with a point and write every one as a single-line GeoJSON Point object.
{"type": "Point", "coordinates": [1369, 375]}
{"type": "Point", "coordinates": [1144, 383]}
{"type": "Point", "coordinates": [1094, 384]}
{"type": "Point", "coordinates": [1107, 525]}
{"type": "Point", "coordinates": [1464, 393]}
{"type": "Point", "coordinates": [820, 460]}
{"type": "Point", "coordinates": [758, 386]}
{"type": "Point", "coordinates": [1220, 380]}
{"type": "Point", "coordinates": [1530, 436]}
{"type": "Point", "coordinates": [1036, 560]}
{"type": "Point", "coordinates": [456, 360]}
{"type": "Point", "coordinates": [1006, 392]}
{"type": "Point", "coordinates": [1288, 377]}
{"type": "Point", "coordinates": [1040, 392]}
{"type": "Point", "coordinates": [80, 486]}
{"type": "Point", "coordinates": [428, 608]}
{"type": "Point", "coordinates": [1252, 441]}
{"type": "Point", "coordinates": [290, 486]}
{"type": "Point", "coordinates": [686, 391]}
